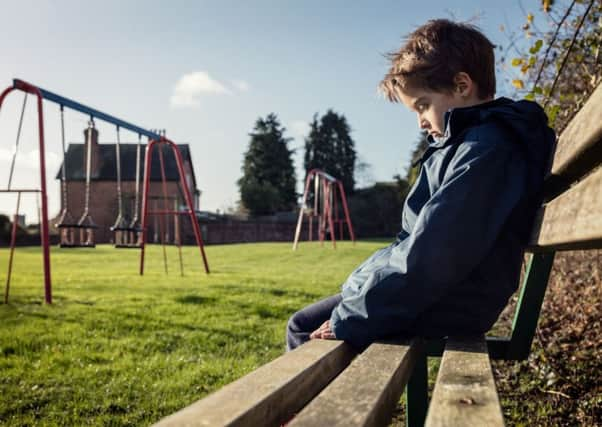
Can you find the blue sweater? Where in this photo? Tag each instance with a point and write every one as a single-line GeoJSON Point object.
{"type": "Point", "coordinates": [464, 225]}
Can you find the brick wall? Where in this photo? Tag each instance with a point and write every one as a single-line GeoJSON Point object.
{"type": "Point", "coordinates": [217, 233]}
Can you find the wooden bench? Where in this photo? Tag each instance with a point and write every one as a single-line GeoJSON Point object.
{"type": "Point", "coordinates": [325, 383]}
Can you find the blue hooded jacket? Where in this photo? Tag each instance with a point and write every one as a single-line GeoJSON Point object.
{"type": "Point", "coordinates": [465, 224]}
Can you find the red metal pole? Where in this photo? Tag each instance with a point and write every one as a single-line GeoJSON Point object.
{"type": "Point", "coordinates": [45, 237]}
{"type": "Point", "coordinates": [145, 188]}
{"type": "Point", "coordinates": [13, 240]}
{"type": "Point", "coordinates": [324, 213]}
{"type": "Point", "coordinates": [26, 87]}
{"type": "Point", "coordinates": [346, 210]}
{"type": "Point", "coordinates": [329, 187]}
{"type": "Point", "coordinates": [164, 232]}
{"type": "Point", "coordinates": [195, 224]}
{"type": "Point", "coordinates": [337, 219]}
{"type": "Point", "coordinates": [178, 237]}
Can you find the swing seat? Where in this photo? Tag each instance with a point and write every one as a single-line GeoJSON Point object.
{"type": "Point", "coordinates": [84, 225]}
{"type": "Point", "coordinates": [127, 229]}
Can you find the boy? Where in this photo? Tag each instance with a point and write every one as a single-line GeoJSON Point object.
{"type": "Point", "coordinates": [467, 218]}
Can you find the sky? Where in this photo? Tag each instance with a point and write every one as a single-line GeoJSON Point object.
{"type": "Point", "coordinates": [207, 70]}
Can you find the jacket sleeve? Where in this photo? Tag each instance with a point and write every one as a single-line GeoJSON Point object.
{"type": "Point", "coordinates": [453, 232]}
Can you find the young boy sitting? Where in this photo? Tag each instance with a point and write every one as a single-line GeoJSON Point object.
{"type": "Point", "coordinates": [467, 218]}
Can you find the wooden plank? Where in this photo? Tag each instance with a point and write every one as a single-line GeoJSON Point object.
{"type": "Point", "coordinates": [572, 220]}
{"type": "Point", "coordinates": [582, 136]}
{"type": "Point", "coordinates": [366, 393]}
{"type": "Point", "coordinates": [271, 394]}
{"type": "Point", "coordinates": [465, 393]}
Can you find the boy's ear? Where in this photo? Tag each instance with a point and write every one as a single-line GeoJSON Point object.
{"type": "Point", "coordinates": [464, 84]}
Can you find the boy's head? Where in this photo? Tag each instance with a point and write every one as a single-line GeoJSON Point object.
{"type": "Point", "coordinates": [442, 65]}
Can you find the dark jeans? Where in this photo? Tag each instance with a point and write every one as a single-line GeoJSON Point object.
{"type": "Point", "coordinates": [304, 322]}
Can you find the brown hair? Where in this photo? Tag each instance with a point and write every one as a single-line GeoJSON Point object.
{"type": "Point", "coordinates": [434, 53]}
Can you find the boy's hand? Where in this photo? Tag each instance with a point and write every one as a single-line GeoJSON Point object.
{"type": "Point", "coordinates": [323, 332]}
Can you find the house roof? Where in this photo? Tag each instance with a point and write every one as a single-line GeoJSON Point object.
{"type": "Point", "coordinates": [74, 160]}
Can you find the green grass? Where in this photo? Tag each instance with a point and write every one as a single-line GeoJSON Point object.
{"type": "Point", "coordinates": [116, 348]}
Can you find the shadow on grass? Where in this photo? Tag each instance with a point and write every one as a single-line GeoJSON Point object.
{"type": "Point", "coordinates": [278, 292]}
{"type": "Point", "coordinates": [195, 299]}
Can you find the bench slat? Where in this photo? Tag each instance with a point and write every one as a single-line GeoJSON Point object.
{"type": "Point", "coordinates": [579, 148]}
{"type": "Point", "coordinates": [273, 392]}
{"type": "Point", "coordinates": [465, 393]}
{"type": "Point", "coordinates": [572, 220]}
{"type": "Point", "coordinates": [366, 393]}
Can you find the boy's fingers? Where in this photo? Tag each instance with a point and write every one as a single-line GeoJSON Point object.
{"type": "Point", "coordinates": [328, 336]}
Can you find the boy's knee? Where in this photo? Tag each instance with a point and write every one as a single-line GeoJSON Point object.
{"type": "Point", "coordinates": [293, 324]}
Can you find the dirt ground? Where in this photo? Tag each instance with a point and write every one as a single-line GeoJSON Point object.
{"type": "Point", "coordinates": [561, 382]}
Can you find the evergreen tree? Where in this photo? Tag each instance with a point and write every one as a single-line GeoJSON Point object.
{"type": "Point", "coordinates": [329, 147]}
{"type": "Point", "coordinates": [268, 181]}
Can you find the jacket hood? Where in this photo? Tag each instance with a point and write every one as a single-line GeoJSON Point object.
{"type": "Point", "coordinates": [524, 121]}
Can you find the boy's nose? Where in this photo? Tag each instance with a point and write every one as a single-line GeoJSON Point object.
{"type": "Point", "coordinates": [423, 124]}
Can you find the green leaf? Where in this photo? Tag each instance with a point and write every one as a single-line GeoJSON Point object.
{"type": "Point", "coordinates": [535, 48]}
{"type": "Point", "coordinates": [552, 113]}
{"type": "Point", "coordinates": [517, 61]}
{"type": "Point", "coordinates": [530, 96]}
{"type": "Point", "coordinates": [537, 90]}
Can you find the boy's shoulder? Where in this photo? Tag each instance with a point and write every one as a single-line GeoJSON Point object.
{"type": "Point", "coordinates": [499, 122]}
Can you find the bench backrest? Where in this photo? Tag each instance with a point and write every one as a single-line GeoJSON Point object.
{"type": "Point", "coordinates": [571, 219]}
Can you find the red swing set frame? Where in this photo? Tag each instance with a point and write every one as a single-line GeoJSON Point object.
{"type": "Point", "coordinates": [30, 89]}
{"type": "Point", "coordinates": [155, 139]}
{"type": "Point", "coordinates": [326, 190]}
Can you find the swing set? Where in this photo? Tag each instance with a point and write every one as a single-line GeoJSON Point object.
{"type": "Point", "coordinates": [127, 233]}
{"type": "Point", "coordinates": [327, 192]}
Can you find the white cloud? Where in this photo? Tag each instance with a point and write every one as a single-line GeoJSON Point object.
{"type": "Point", "coordinates": [192, 86]}
{"type": "Point", "coordinates": [5, 155]}
{"type": "Point", "coordinates": [30, 160]}
{"type": "Point", "coordinates": [299, 128]}
{"type": "Point", "coordinates": [241, 85]}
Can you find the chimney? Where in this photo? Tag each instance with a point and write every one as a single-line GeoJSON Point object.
{"type": "Point", "coordinates": [95, 152]}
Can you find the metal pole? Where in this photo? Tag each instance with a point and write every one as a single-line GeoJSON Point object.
{"type": "Point", "coordinates": [147, 162]}
{"type": "Point", "coordinates": [44, 222]}
{"type": "Point", "coordinates": [346, 211]}
{"type": "Point", "coordinates": [178, 236]}
{"type": "Point", "coordinates": [134, 222]}
{"type": "Point", "coordinates": [315, 213]}
{"type": "Point", "coordinates": [164, 232]}
{"type": "Point", "coordinates": [45, 238]}
{"type": "Point", "coordinates": [52, 97]}
{"type": "Point", "coordinates": [13, 239]}
{"type": "Point", "coordinates": [328, 213]}
{"type": "Point", "coordinates": [300, 220]}
{"type": "Point", "coordinates": [322, 218]}
{"type": "Point", "coordinates": [195, 224]}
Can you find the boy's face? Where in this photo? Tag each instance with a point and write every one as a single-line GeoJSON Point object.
{"type": "Point", "coordinates": [431, 106]}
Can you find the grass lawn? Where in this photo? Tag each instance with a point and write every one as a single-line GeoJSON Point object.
{"type": "Point", "coordinates": [116, 348]}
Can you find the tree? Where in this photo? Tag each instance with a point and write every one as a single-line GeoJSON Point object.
{"type": "Point", "coordinates": [329, 147]}
{"type": "Point", "coordinates": [562, 65]}
{"type": "Point", "coordinates": [268, 181]}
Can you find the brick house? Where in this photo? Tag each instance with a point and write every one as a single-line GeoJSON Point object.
{"type": "Point", "coordinates": [103, 204]}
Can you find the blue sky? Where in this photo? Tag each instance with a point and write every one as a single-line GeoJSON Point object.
{"type": "Point", "coordinates": [206, 70]}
